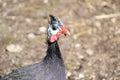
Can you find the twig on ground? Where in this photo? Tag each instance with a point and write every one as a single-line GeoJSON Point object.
{"type": "Point", "coordinates": [105, 16]}
{"type": "Point", "coordinates": [115, 39]}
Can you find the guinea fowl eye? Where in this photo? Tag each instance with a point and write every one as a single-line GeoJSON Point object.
{"type": "Point", "coordinates": [54, 28]}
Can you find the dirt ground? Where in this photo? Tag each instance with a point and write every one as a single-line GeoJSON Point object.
{"type": "Point", "coordinates": [91, 52]}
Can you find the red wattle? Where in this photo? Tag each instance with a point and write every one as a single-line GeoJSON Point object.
{"type": "Point", "coordinates": [62, 31]}
{"type": "Point", "coordinates": [53, 38]}
{"type": "Point", "coordinates": [58, 34]}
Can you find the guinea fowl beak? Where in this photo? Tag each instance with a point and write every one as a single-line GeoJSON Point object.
{"type": "Point", "coordinates": [65, 31]}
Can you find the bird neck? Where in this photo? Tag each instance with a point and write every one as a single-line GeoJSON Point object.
{"type": "Point", "coordinates": [53, 51]}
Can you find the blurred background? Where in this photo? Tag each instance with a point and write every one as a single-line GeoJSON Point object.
{"type": "Point", "coordinates": [92, 52]}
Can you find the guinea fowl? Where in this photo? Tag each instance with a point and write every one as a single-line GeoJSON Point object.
{"type": "Point", "coordinates": [52, 65]}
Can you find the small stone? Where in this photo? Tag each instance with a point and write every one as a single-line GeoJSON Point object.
{"type": "Point", "coordinates": [31, 36]}
{"type": "Point", "coordinates": [103, 79]}
{"type": "Point", "coordinates": [4, 4]}
{"type": "Point", "coordinates": [14, 48]}
{"type": "Point", "coordinates": [15, 1]}
{"type": "Point", "coordinates": [89, 64]}
{"type": "Point", "coordinates": [45, 1]}
{"type": "Point", "coordinates": [25, 63]}
{"type": "Point", "coordinates": [0, 1]}
{"type": "Point", "coordinates": [113, 20]}
{"type": "Point", "coordinates": [75, 37]}
{"type": "Point", "coordinates": [79, 56]}
{"type": "Point", "coordinates": [42, 29]}
{"type": "Point", "coordinates": [117, 31]}
{"type": "Point", "coordinates": [81, 75]}
{"type": "Point", "coordinates": [104, 38]}
{"type": "Point", "coordinates": [93, 77]}
{"type": "Point", "coordinates": [28, 20]}
{"type": "Point", "coordinates": [97, 23]}
{"type": "Point", "coordinates": [69, 73]}
{"type": "Point", "coordinates": [104, 3]}
{"type": "Point", "coordinates": [89, 52]}
{"type": "Point", "coordinates": [13, 61]}
{"type": "Point", "coordinates": [77, 45]}
{"type": "Point", "coordinates": [13, 17]}
{"type": "Point", "coordinates": [95, 30]}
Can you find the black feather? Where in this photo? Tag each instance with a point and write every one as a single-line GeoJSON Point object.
{"type": "Point", "coordinates": [52, 17]}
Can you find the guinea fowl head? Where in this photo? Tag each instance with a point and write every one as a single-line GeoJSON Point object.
{"type": "Point", "coordinates": [55, 29]}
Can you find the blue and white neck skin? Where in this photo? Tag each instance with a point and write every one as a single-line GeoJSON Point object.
{"type": "Point", "coordinates": [54, 28]}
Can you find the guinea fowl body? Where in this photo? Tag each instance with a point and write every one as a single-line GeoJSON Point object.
{"type": "Point", "coordinates": [50, 68]}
